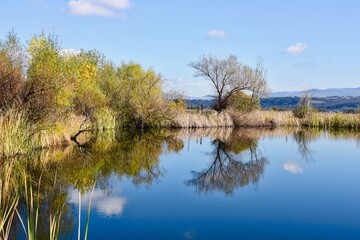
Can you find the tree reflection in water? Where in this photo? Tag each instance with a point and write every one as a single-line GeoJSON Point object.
{"type": "Point", "coordinates": [41, 182]}
{"type": "Point", "coordinates": [303, 138]}
{"type": "Point", "coordinates": [236, 162]}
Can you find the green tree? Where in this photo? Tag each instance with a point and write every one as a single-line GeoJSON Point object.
{"type": "Point", "coordinates": [88, 95]}
{"type": "Point", "coordinates": [142, 104]}
{"type": "Point", "coordinates": [44, 89]}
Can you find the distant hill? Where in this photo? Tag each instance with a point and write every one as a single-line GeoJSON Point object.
{"type": "Point", "coordinates": [330, 92]}
{"type": "Point", "coordinates": [334, 104]}
{"type": "Point", "coordinates": [332, 99]}
{"type": "Point", "coordinates": [199, 102]}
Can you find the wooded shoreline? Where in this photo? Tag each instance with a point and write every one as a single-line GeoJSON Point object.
{"type": "Point", "coordinates": [49, 97]}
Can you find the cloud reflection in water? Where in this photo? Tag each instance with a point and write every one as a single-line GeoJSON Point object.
{"type": "Point", "coordinates": [104, 204]}
{"type": "Point", "coordinates": [292, 167]}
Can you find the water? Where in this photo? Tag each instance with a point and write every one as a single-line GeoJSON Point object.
{"type": "Point", "coordinates": [209, 184]}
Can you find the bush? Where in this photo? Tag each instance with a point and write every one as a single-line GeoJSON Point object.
{"type": "Point", "coordinates": [302, 111]}
{"type": "Point", "coordinates": [11, 74]}
{"type": "Point", "coordinates": [243, 102]}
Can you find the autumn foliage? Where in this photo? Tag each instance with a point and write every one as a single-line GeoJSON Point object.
{"type": "Point", "coordinates": [50, 84]}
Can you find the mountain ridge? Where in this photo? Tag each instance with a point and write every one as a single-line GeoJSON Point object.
{"type": "Point", "coordinates": [328, 92]}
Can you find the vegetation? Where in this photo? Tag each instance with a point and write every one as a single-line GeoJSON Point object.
{"type": "Point", "coordinates": [304, 109]}
{"type": "Point", "coordinates": [35, 188]}
{"type": "Point", "coordinates": [47, 92]}
{"type": "Point", "coordinates": [236, 162]}
{"type": "Point", "coordinates": [49, 96]}
{"type": "Point", "coordinates": [244, 103]}
{"type": "Point", "coordinates": [229, 77]}
{"type": "Point", "coordinates": [333, 104]}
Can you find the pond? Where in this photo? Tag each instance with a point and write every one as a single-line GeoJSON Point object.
{"type": "Point", "coordinates": [189, 184]}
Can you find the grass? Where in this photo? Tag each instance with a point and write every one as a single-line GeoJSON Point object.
{"type": "Point", "coordinates": [19, 136]}
{"type": "Point", "coordinates": [9, 198]}
{"type": "Point", "coordinates": [105, 119]}
{"type": "Point", "coordinates": [15, 133]}
{"type": "Point", "coordinates": [205, 119]}
{"type": "Point", "coordinates": [266, 119]}
{"type": "Point", "coordinates": [333, 120]}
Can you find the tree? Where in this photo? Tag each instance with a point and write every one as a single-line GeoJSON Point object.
{"type": "Point", "coordinates": [44, 89]}
{"type": "Point", "coordinates": [89, 97]}
{"type": "Point", "coordinates": [142, 104]}
{"type": "Point", "coordinates": [236, 162]}
{"type": "Point", "coordinates": [229, 76]}
{"type": "Point", "coordinates": [11, 71]}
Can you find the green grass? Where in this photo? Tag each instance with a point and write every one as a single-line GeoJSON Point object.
{"type": "Point", "coordinates": [9, 196]}
{"type": "Point", "coordinates": [15, 133]}
{"type": "Point", "coordinates": [105, 119]}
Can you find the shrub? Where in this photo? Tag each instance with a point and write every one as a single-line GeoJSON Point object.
{"type": "Point", "coordinates": [243, 102]}
{"type": "Point", "coordinates": [302, 111]}
{"type": "Point", "coordinates": [11, 74]}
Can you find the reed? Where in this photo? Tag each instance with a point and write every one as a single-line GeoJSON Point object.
{"type": "Point", "coordinates": [15, 133]}
{"type": "Point", "coordinates": [333, 120]}
{"type": "Point", "coordinates": [18, 135]}
{"type": "Point", "coordinates": [9, 196]}
{"type": "Point", "coordinates": [259, 118]}
{"type": "Point", "coordinates": [105, 119]}
{"type": "Point", "coordinates": [205, 119]}
{"type": "Point", "coordinates": [264, 119]}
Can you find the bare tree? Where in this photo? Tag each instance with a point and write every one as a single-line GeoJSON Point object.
{"type": "Point", "coordinates": [231, 168]}
{"type": "Point", "coordinates": [229, 76]}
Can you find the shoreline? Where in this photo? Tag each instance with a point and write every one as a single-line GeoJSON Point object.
{"type": "Point", "coordinates": [23, 139]}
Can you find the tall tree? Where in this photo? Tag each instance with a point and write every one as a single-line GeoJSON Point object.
{"type": "Point", "coordinates": [229, 76]}
{"type": "Point", "coordinates": [142, 104]}
{"type": "Point", "coordinates": [45, 78]}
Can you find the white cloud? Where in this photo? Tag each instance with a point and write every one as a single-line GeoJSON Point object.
{"type": "Point", "coordinates": [216, 34]}
{"type": "Point", "coordinates": [296, 48]}
{"type": "Point", "coordinates": [106, 205]}
{"type": "Point", "coordinates": [97, 7]}
{"type": "Point", "coordinates": [292, 167]}
{"type": "Point", "coordinates": [66, 52]}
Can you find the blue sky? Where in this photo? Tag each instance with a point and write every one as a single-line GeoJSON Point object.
{"type": "Point", "coordinates": [304, 44]}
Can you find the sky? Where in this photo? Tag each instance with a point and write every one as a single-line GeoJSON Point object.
{"type": "Point", "coordinates": [304, 44]}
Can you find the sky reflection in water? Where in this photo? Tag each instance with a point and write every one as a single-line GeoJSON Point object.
{"type": "Point", "coordinates": [212, 184]}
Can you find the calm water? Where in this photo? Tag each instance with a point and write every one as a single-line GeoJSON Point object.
{"type": "Point", "coordinates": [213, 184]}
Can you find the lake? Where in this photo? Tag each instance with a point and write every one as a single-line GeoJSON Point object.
{"type": "Point", "coordinates": [194, 184]}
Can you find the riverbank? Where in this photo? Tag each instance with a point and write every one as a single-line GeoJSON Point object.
{"type": "Point", "coordinates": [265, 119]}
{"type": "Point", "coordinates": [18, 135]}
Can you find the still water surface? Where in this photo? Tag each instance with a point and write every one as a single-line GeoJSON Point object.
{"type": "Point", "coordinates": [208, 184]}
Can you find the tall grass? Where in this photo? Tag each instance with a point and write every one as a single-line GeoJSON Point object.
{"type": "Point", "coordinates": [206, 119]}
{"type": "Point", "coordinates": [32, 200]}
{"type": "Point", "coordinates": [105, 119]}
{"type": "Point", "coordinates": [333, 120]}
{"type": "Point", "coordinates": [16, 133]}
{"type": "Point", "coordinates": [266, 119]}
{"type": "Point", "coordinates": [9, 196]}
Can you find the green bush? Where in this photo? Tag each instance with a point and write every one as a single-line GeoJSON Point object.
{"type": "Point", "coordinates": [243, 102]}
{"type": "Point", "coordinates": [302, 111]}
